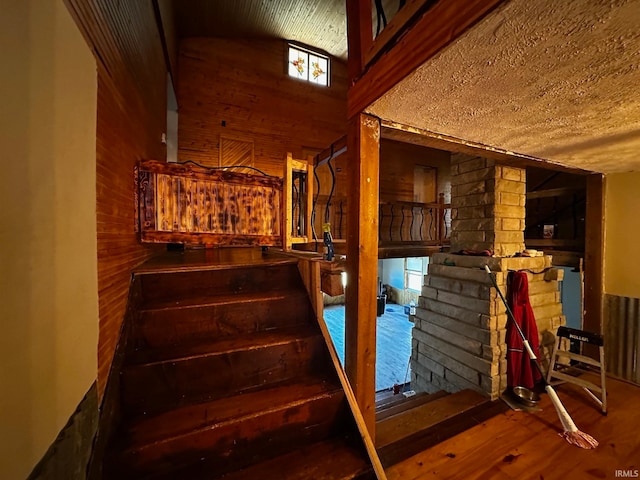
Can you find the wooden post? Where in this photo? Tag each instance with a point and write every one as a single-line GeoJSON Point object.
{"type": "Point", "coordinates": [363, 139]}
{"type": "Point", "coordinates": [287, 196]}
{"type": "Point", "coordinates": [289, 237]}
{"type": "Point", "coordinates": [594, 257]}
{"type": "Point", "coordinates": [359, 34]}
{"type": "Point", "coordinates": [441, 230]}
{"type": "Point", "coordinates": [308, 207]}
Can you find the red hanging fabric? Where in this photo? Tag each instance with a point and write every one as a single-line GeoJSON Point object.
{"type": "Point", "coordinates": [520, 371]}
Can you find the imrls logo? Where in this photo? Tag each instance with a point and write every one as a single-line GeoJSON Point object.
{"type": "Point", "coordinates": [627, 473]}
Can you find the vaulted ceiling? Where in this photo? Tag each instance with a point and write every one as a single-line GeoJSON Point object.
{"type": "Point", "coordinates": [555, 80]}
{"type": "Point", "coordinates": [320, 24]}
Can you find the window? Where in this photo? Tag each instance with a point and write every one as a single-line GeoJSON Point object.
{"type": "Point", "coordinates": [415, 270]}
{"type": "Point", "coordinates": [308, 65]}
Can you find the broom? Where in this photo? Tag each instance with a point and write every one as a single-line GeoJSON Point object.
{"type": "Point", "coordinates": [571, 433]}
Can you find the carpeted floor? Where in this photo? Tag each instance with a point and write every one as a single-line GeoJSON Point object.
{"type": "Point", "coordinates": [393, 342]}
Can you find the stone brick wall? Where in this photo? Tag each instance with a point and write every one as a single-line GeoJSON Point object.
{"type": "Point", "coordinates": [460, 322]}
{"type": "Point", "coordinates": [488, 206]}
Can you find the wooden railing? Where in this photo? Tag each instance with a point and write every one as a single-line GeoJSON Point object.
{"type": "Point", "coordinates": [426, 223]}
{"type": "Point", "coordinates": [187, 203]}
{"type": "Point", "coordinates": [335, 212]}
{"type": "Point", "coordinates": [298, 200]}
{"type": "Point", "coordinates": [400, 222]}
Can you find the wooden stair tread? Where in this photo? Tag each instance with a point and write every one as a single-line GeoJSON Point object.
{"type": "Point", "coordinates": [180, 285]}
{"type": "Point", "coordinates": [332, 459]}
{"type": "Point", "coordinates": [435, 434]}
{"type": "Point", "coordinates": [219, 259]}
{"type": "Point", "coordinates": [210, 300]}
{"type": "Point", "coordinates": [225, 345]}
{"type": "Point", "coordinates": [404, 404]}
{"type": "Point", "coordinates": [226, 374]}
{"type": "Point", "coordinates": [399, 399]}
{"type": "Point", "coordinates": [243, 440]}
{"type": "Point", "coordinates": [411, 421]}
{"type": "Point", "coordinates": [185, 419]}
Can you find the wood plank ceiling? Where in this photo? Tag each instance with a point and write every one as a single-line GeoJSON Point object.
{"type": "Point", "coordinates": [319, 24]}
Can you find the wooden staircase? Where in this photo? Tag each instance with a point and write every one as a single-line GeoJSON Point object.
{"type": "Point", "coordinates": [227, 375]}
{"type": "Point", "coordinates": [406, 426]}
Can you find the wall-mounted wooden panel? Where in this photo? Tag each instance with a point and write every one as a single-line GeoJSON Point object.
{"type": "Point", "coordinates": [240, 89]}
{"type": "Point", "coordinates": [131, 116]}
{"type": "Point", "coordinates": [187, 204]}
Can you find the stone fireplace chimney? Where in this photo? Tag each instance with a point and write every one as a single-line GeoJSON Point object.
{"type": "Point", "coordinates": [460, 322]}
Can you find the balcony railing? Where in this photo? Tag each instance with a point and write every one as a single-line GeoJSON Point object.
{"type": "Point", "coordinates": [427, 223]}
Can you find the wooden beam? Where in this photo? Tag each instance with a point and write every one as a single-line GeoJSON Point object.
{"type": "Point", "coordinates": [594, 255]}
{"type": "Point", "coordinates": [359, 35]}
{"type": "Point", "coordinates": [395, 27]}
{"type": "Point", "coordinates": [363, 136]}
{"type": "Point", "coordinates": [336, 149]}
{"type": "Point", "coordinates": [436, 29]}
{"type": "Point", "coordinates": [425, 138]}
{"type": "Point", "coordinates": [554, 192]}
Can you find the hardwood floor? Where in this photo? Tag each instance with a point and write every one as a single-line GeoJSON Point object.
{"type": "Point", "coordinates": [393, 345]}
{"type": "Point", "coordinates": [520, 445]}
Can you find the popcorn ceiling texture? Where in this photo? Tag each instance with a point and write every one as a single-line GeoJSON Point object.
{"type": "Point", "coordinates": [554, 80]}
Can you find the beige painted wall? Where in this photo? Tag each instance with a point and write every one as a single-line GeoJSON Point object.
{"type": "Point", "coordinates": [48, 280]}
{"type": "Point", "coordinates": [622, 234]}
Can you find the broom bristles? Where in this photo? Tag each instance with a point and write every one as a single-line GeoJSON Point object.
{"type": "Point", "coordinates": [580, 439]}
{"type": "Point", "coordinates": [571, 433]}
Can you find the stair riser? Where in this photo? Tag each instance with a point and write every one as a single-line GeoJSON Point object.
{"type": "Point", "coordinates": [249, 440]}
{"type": "Point", "coordinates": [184, 285]}
{"type": "Point", "coordinates": [151, 388]}
{"type": "Point", "coordinates": [157, 328]}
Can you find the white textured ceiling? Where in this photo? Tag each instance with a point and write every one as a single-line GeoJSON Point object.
{"type": "Point", "coordinates": [552, 79]}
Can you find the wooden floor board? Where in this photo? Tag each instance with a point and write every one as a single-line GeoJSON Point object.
{"type": "Point", "coordinates": [393, 346]}
{"type": "Point", "coordinates": [519, 445]}
{"type": "Point", "coordinates": [409, 422]}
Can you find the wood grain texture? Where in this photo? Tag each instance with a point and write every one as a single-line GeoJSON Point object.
{"type": "Point", "coordinates": [130, 119]}
{"type": "Point", "coordinates": [396, 25]}
{"type": "Point", "coordinates": [359, 35]}
{"type": "Point", "coordinates": [362, 263]}
{"type": "Point", "coordinates": [184, 203]}
{"type": "Point", "coordinates": [223, 376]}
{"type": "Point", "coordinates": [310, 271]}
{"type": "Point", "coordinates": [394, 428]}
{"type": "Point", "coordinates": [318, 24]}
{"type": "Point", "coordinates": [235, 151]}
{"type": "Point", "coordinates": [244, 84]}
{"type": "Point", "coordinates": [594, 257]}
{"type": "Point", "coordinates": [397, 168]}
{"type": "Point", "coordinates": [526, 445]}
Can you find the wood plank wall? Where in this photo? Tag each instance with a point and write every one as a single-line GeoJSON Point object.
{"type": "Point", "coordinates": [244, 83]}
{"type": "Point", "coordinates": [397, 163]}
{"type": "Point", "coordinates": [131, 116]}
